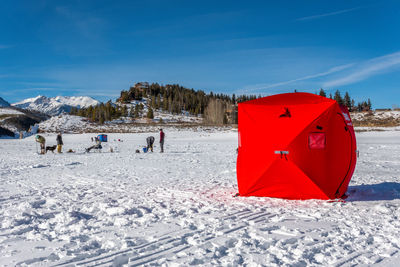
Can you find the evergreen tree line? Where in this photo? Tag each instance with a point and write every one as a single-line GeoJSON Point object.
{"type": "Point", "coordinates": [174, 98]}
{"type": "Point", "coordinates": [102, 112]}
{"type": "Point", "coordinates": [347, 101]}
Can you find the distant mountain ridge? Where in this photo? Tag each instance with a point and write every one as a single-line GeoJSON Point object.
{"type": "Point", "coordinates": [54, 106]}
{"type": "Point", "coordinates": [4, 103]}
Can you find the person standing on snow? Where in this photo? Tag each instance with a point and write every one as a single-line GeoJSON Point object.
{"type": "Point", "coordinates": [42, 141]}
{"type": "Point", "coordinates": [150, 142]}
{"type": "Point", "coordinates": [59, 142]}
{"type": "Point", "coordinates": [162, 137]}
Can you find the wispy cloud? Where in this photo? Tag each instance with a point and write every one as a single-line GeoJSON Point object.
{"type": "Point", "coordinates": [88, 25]}
{"type": "Point", "coordinates": [329, 14]}
{"type": "Point", "coordinates": [367, 69]}
{"type": "Point", "coordinates": [308, 77]}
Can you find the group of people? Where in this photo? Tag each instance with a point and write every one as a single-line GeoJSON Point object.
{"type": "Point", "coordinates": [43, 148]}
{"type": "Point", "coordinates": [150, 142]}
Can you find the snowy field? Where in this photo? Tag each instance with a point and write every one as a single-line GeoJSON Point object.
{"type": "Point", "coordinates": [177, 209]}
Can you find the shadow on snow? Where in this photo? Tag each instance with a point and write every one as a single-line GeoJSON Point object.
{"type": "Point", "coordinates": [374, 192]}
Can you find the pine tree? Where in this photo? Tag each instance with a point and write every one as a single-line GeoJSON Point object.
{"type": "Point", "coordinates": [369, 104]}
{"type": "Point", "coordinates": [322, 92]}
{"type": "Point", "coordinates": [124, 111]}
{"type": "Point", "coordinates": [132, 112]}
{"type": "Point", "coordinates": [93, 115]}
{"type": "Point", "coordinates": [165, 104]}
{"type": "Point", "coordinates": [136, 112]}
{"type": "Point", "coordinates": [338, 97]}
{"type": "Point", "coordinates": [347, 100]}
{"type": "Point", "coordinates": [170, 104]}
{"type": "Point", "coordinates": [150, 114]}
{"type": "Point", "coordinates": [158, 101]}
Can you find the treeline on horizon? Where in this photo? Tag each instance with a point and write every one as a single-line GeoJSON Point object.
{"type": "Point", "coordinates": [176, 99]}
{"type": "Point", "coordinates": [347, 101]}
{"type": "Point", "coordinates": [171, 98]}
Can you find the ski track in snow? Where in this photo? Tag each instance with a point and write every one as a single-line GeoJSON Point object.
{"type": "Point", "coordinates": [176, 208]}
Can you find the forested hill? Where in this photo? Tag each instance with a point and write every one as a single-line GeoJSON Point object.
{"type": "Point", "coordinates": [175, 98]}
{"type": "Point", "coordinates": [142, 98]}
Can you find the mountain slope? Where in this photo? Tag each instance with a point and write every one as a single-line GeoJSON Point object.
{"type": "Point", "coordinates": [16, 120]}
{"type": "Point", "coordinates": [56, 105]}
{"type": "Point", "coordinates": [4, 103]}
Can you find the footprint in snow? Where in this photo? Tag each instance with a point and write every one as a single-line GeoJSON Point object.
{"type": "Point", "coordinates": [39, 166]}
{"type": "Point", "coordinates": [73, 163]}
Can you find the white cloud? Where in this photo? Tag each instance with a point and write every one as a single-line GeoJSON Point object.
{"type": "Point", "coordinates": [366, 69]}
{"type": "Point", "coordinates": [328, 14]}
{"type": "Point", "coordinates": [87, 25]}
{"type": "Point", "coordinates": [308, 77]}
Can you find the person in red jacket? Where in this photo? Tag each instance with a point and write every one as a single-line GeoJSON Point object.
{"type": "Point", "coordinates": [162, 137]}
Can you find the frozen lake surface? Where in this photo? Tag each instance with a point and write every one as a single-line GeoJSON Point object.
{"type": "Point", "coordinates": [176, 208]}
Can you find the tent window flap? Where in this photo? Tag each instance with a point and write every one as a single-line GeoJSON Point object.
{"type": "Point", "coordinates": [317, 141]}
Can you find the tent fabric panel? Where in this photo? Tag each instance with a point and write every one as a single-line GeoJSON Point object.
{"type": "Point", "coordinates": [329, 166]}
{"type": "Point", "coordinates": [258, 124]}
{"type": "Point", "coordinates": [259, 137]}
{"type": "Point", "coordinates": [283, 179]}
{"type": "Point", "coordinates": [345, 183]}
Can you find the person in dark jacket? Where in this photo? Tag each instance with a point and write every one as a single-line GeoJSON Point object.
{"type": "Point", "coordinates": [162, 137]}
{"type": "Point", "coordinates": [59, 142]}
{"type": "Point", "coordinates": [150, 143]}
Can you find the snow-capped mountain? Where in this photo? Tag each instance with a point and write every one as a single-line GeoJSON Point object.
{"type": "Point", "coordinates": [56, 105]}
{"type": "Point", "coordinates": [4, 103]}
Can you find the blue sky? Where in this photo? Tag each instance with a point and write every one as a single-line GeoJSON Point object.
{"type": "Point", "coordinates": [98, 48]}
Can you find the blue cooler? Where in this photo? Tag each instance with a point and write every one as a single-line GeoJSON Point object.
{"type": "Point", "coordinates": [102, 137]}
{"type": "Point", "coordinates": [145, 149]}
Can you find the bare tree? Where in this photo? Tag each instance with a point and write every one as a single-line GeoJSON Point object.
{"type": "Point", "coordinates": [215, 112]}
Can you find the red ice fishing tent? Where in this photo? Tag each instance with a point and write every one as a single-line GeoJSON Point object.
{"type": "Point", "coordinates": [295, 146]}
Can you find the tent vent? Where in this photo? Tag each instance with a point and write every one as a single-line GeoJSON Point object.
{"type": "Point", "coordinates": [286, 114]}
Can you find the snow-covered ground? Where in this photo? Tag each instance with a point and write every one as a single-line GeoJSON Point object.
{"type": "Point", "coordinates": [176, 208]}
